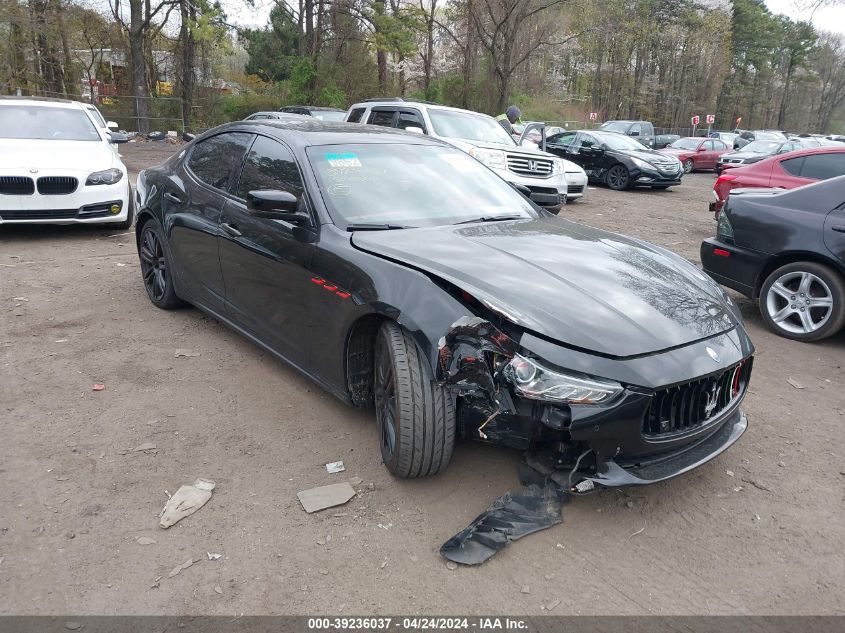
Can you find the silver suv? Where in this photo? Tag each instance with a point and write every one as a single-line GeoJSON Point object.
{"type": "Point", "coordinates": [551, 180]}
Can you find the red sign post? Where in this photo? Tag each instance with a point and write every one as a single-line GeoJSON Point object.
{"type": "Point", "coordinates": [695, 120]}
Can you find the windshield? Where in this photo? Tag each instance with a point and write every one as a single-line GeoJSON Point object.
{"type": "Point", "coordinates": [473, 127]}
{"type": "Point", "coordinates": [615, 126]}
{"type": "Point", "coordinates": [328, 115]}
{"type": "Point", "coordinates": [685, 143]}
{"type": "Point", "coordinates": [768, 136]}
{"type": "Point", "coordinates": [620, 141]}
{"type": "Point", "coordinates": [764, 147]}
{"type": "Point", "coordinates": [410, 185]}
{"type": "Point", "coordinates": [46, 123]}
{"type": "Point", "coordinates": [97, 116]}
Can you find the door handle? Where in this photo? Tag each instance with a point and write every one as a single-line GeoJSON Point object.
{"type": "Point", "coordinates": [231, 230]}
{"type": "Point", "coordinates": [172, 197]}
{"type": "Point", "coordinates": [839, 228]}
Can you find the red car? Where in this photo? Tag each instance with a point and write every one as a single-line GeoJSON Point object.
{"type": "Point", "coordinates": [782, 171]}
{"type": "Point", "coordinates": [696, 153]}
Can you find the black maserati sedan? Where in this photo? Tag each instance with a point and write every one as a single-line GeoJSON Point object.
{"type": "Point", "coordinates": [786, 250]}
{"type": "Point", "coordinates": [616, 160]}
{"type": "Point", "coordinates": [400, 273]}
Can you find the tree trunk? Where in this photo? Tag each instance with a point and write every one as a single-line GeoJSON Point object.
{"type": "Point", "coordinates": [188, 12]}
{"type": "Point", "coordinates": [138, 66]}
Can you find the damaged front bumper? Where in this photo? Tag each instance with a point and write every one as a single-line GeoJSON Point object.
{"type": "Point", "coordinates": [660, 424]}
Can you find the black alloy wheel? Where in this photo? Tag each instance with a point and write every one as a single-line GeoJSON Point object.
{"type": "Point", "coordinates": [155, 268]}
{"type": "Point", "coordinates": [618, 177]}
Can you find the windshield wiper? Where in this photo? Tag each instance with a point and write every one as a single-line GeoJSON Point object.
{"type": "Point", "coordinates": [377, 227]}
{"type": "Point", "coordinates": [492, 218]}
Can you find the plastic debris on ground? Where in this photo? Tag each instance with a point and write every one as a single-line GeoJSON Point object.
{"type": "Point", "coordinates": [186, 501]}
{"type": "Point", "coordinates": [511, 517]}
{"type": "Point", "coordinates": [316, 499]}
{"type": "Point", "coordinates": [98, 386]}
{"type": "Point", "coordinates": [335, 467]}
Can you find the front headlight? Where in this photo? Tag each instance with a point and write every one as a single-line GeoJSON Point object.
{"type": "Point", "coordinates": [642, 164]}
{"type": "Point", "coordinates": [532, 380]}
{"type": "Point", "coordinates": [557, 166]}
{"type": "Point", "coordinates": [493, 158]}
{"type": "Point", "coordinates": [106, 177]}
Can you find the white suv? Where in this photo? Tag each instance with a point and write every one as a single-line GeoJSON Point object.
{"type": "Point", "coordinates": [57, 166]}
{"type": "Point", "coordinates": [552, 181]}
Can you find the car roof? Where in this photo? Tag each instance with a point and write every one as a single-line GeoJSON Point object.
{"type": "Point", "coordinates": [307, 131]}
{"type": "Point", "coordinates": [399, 101]}
{"type": "Point", "coordinates": [308, 107]}
{"type": "Point", "coordinates": [41, 101]}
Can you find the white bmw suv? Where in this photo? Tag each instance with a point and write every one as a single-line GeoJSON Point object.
{"type": "Point", "coordinates": [552, 181]}
{"type": "Point", "coordinates": [57, 166]}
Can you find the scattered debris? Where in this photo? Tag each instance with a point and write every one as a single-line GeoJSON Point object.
{"type": "Point", "coordinates": [335, 467]}
{"type": "Point", "coordinates": [525, 589]}
{"type": "Point", "coordinates": [98, 386]}
{"type": "Point", "coordinates": [385, 526]}
{"type": "Point", "coordinates": [383, 564]}
{"type": "Point", "coordinates": [323, 572]}
{"type": "Point", "coordinates": [316, 499]}
{"type": "Point", "coordinates": [176, 570]}
{"type": "Point", "coordinates": [794, 383]}
{"type": "Point", "coordinates": [451, 565]}
{"type": "Point", "coordinates": [72, 625]}
{"type": "Point", "coordinates": [186, 353]}
{"type": "Point", "coordinates": [756, 517]}
{"type": "Point", "coordinates": [146, 446]}
{"type": "Point", "coordinates": [213, 556]}
{"type": "Point", "coordinates": [217, 589]}
{"type": "Point", "coordinates": [756, 484]}
{"type": "Point", "coordinates": [552, 604]}
{"type": "Point", "coordinates": [61, 340]}
{"type": "Point", "coordinates": [509, 518]}
{"type": "Point", "coordinates": [186, 501]}
{"type": "Point", "coordinates": [729, 473]}
{"type": "Point", "coordinates": [145, 540]}
{"type": "Point", "coordinates": [640, 531]}
{"type": "Point", "coordinates": [782, 464]}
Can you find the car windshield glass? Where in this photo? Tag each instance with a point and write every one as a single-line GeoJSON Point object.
{"type": "Point", "coordinates": [764, 147]}
{"type": "Point", "coordinates": [473, 127]}
{"type": "Point", "coordinates": [768, 136]}
{"type": "Point", "coordinates": [46, 123]}
{"type": "Point", "coordinates": [615, 126]}
{"type": "Point", "coordinates": [410, 185]}
{"type": "Point", "coordinates": [686, 143]}
{"type": "Point", "coordinates": [619, 141]}
{"type": "Point", "coordinates": [328, 115]}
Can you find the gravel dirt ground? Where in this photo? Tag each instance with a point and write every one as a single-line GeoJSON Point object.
{"type": "Point", "coordinates": [758, 530]}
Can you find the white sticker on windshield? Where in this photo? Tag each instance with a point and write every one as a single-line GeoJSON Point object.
{"type": "Point", "coordinates": [461, 162]}
{"type": "Point", "coordinates": [348, 159]}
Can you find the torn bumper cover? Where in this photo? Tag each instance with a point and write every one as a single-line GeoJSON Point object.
{"type": "Point", "coordinates": [582, 431]}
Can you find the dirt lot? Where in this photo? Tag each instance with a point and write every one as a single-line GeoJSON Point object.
{"type": "Point", "coordinates": [758, 530]}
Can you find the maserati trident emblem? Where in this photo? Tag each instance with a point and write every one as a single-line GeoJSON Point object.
{"type": "Point", "coordinates": [712, 354]}
{"type": "Point", "coordinates": [712, 401]}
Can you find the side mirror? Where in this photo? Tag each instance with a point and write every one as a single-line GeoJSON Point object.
{"type": "Point", "coordinates": [117, 138]}
{"type": "Point", "coordinates": [701, 149]}
{"type": "Point", "coordinates": [276, 205]}
{"type": "Point", "coordinates": [112, 125]}
{"type": "Point", "coordinates": [414, 129]}
{"type": "Point", "coordinates": [633, 133]}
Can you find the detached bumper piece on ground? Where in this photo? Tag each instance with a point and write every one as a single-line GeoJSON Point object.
{"type": "Point", "coordinates": [509, 518]}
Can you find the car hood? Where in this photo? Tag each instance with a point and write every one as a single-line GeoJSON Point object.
{"type": "Point", "coordinates": [674, 151]}
{"type": "Point", "coordinates": [584, 287]}
{"type": "Point", "coordinates": [82, 156]}
{"type": "Point", "coordinates": [649, 156]}
{"type": "Point", "coordinates": [466, 145]}
{"type": "Point", "coordinates": [747, 155]}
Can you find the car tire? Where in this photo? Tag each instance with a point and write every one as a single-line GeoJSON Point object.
{"type": "Point", "coordinates": [156, 267]}
{"type": "Point", "coordinates": [689, 165]}
{"type": "Point", "coordinates": [618, 178]}
{"type": "Point", "coordinates": [785, 307]}
{"type": "Point", "coordinates": [415, 415]}
{"type": "Point", "coordinates": [130, 217]}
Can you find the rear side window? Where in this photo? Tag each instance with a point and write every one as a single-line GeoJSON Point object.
{"type": "Point", "coordinates": [269, 165]}
{"type": "Point", "coordinates": [793, 165]}
{"type": "Point", "coordinates": [381, 117]}
{"type": "Point", "coordinates": [217, 160]}
{"type": "Point", "coordinates": [823, 166]}
{"type": "Point", "coordinates": [355, 115]}
{"type": "Point", "coordinates": [410, 119]}
{"type": "Point", "coordinates": [717, 145]}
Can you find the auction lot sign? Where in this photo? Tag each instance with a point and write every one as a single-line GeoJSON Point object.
{"type": "Point", "coordinates": [538, 624]}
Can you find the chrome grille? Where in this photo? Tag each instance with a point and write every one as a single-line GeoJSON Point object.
{"type": "Point", "coordinates": [691, 405]}
{"type": "Point", "coordinates": [529, 166]}
{"type": "Point", "coordinates": [16, 186]}
{"type": "Point", "coordinates": [57, 185]}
